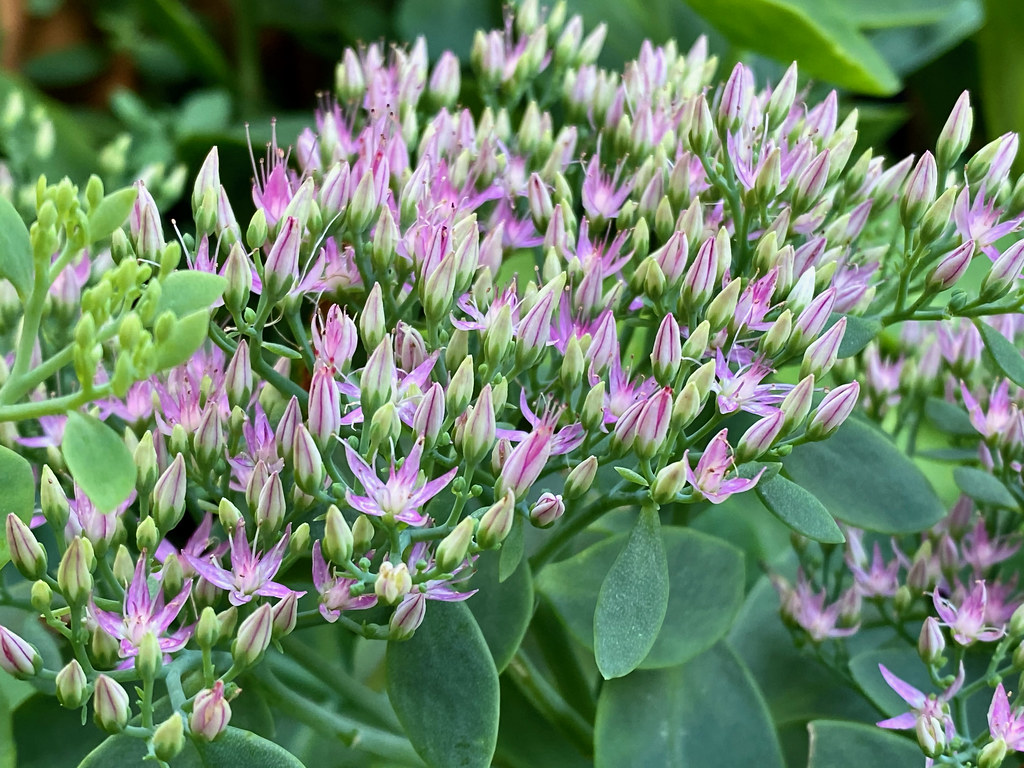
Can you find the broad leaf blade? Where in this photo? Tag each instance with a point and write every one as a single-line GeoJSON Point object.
{"type": "Point", "coordinates": [187, 335]}
{"type": "Point", "coordinates": [502, 609]}
{"type": "Point", "coordinates": [799, 509]}
{"type": "Point", "coordinates": [111, 213]}
{"type": "Point", "coordinates": [236, 748]}
{"type": "Point", "coordinates": [633, 599]}
{"type": "Point", "coordinates": [1005, 354]}
{"type": "Point", "coordinates": [15, 250]}
{"type": "Point", "coordinates": [99, 461]}
{"type": "Point", "coordinates": [444, 687]}
{"type": "Point", "coordinates": [19, 494]}
{"type": "Point", "coordinates": [983, 487]}
{"type": "Point", "coordinates": [851, 745]}
{"type": "Point", "coordinates": [708, 712]}
{"type": "Point", "coordinates": [860, 331]}
{"type": "Point", "coordinates": [188, 291]}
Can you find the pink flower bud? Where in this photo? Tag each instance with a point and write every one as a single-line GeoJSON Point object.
{"type": "Point", "coordinates": [546, 510]}
{"type": "Point", "coordinates": [428, 418]}
{"type": "Point", "coordinates": [253, 636]}
{"type": "Point", "coordinates": [956, 133]}
{"type": "Point", "coordinates": [653, 424]}
{"type": "Point", "coordinates": [736, 99]}
{"type": "Point", "coordinates": [700, 278]}
{"type": "Point", "coordinates": [834, 409]}
{"type": "Point", "coordinates": [74, 574]}
{"type": "Point", "coordinates": [208, 178]}
{"type": "Point", "coordinates": [811, 183]}
{"type": "Point", "coordinates": [759, 437]}
{"type": "Point", "coordinates": [208, 440]}
{"type": "Point", "coordinates": [407, 616]}
{"type": "Point", "coordinates": [445, 80]}
{"type": "Point", "coordinates": [270, 505]}
{"type": "Point", "coordinates": [17, 657]}
{"type": "Point", "coordinates": [669, 481]}
{"type": "Point", "coordinates": [581, 478]}
{"type": "Point", "coordinates": [702, 129]}
{"type": "Point", "coordinates": [325, 406]}
{"type": "Point", "coordinates": [410, 348]}
{"type": "Point", "coordinates": [144, 224]}
{"type": "Point", "coordinates": [334, 338]}
{"type": "Point", "coordinates": [919, 192]}
{"type": "Point", "coordinates": [668, 351]}
{"type": "Point", "coordinates": [539, 199]}
{"type": "Point", "coordinates": [809, 323]}
{"type": "Point", "coordinates": [110, 705]}
{"type": "Point", "coordinates": [1005, 270]}
{"type": "Point", "coordinates": [951, 267]}
{"type": "Point", "coordinates": [480, 429]}
{"type": "Point", "coordinates": [169, 495]}
{"type": "Point", "coordinates": [334, 190]}
{"type": "Point", "coordinates": [372, 320]}
{"type": "Point", "coordinates": [672, 256]}
{"type": "Point", "coordinates": [363, 206]}
{"type": "Point", "coordinates": [820, 356]}
{"type": "Point", "coordinates": [284, 615]}
{"type": "Point", "coordinates": [497, 521]}
{"type": "Point", "coordinates": [282, 266]}
{"type": "Point", "coordinates": [931, 642]}
{"type": "Point", "coordinates": [309, 463]}
{"type": "Point", "coordinates": [211, 712]}
{"type": "Point", "coordinates": [781, 100]}
{"type": "Point", "coordinates": [604, 344]}
{"type": "Point", "coordinates": [625, 428]}
{"type": "Point", "coordinates": [27, 554]}
{"type": "Point", "coordinates": [797, 404]}
{"type": "Point", "coordinates": [238, 382]}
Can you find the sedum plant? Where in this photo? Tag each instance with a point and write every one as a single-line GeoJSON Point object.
{"type": "Point", "coordinates": [524, 394]}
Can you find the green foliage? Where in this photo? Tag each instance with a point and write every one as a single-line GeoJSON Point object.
{"type": "Point", "coordinates": [235, 748]}
{"type": "Point", "coordinates": [15, 250]}
{"type": "Point", "coordinates": [799, 509]}
{"type": "Point", "coordinates": [1007, 357]}
{"type": "Point", "coordinates": [850, 745]}
{"type": "Point", "coordinates": [19, 493]}
{"type": "Point", "coordinates": [185, 292]}
{"type": "Point", "coordinates": [502, 609]}
{"type": "Point", "coordinates": [99, 461]}
{"type": "Point", "coordinates": [983, 487]}
{"type": "Point", "coordinates": [187, 335]}
{"type": "Point", "coordinates": [111, 213]}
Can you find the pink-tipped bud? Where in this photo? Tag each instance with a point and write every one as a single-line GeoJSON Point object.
{"type": "Point", "coordinates": [238, 273]}
{"type": "Point", "coordinates": [811, 183]}
{"type": "Point", "coordinates": [653, 424]}
{"type": "Point", "coordinates": [282, 266]}
{"type": "Point", "coordinates": [428, 419]}
{"type": "Point", "coordinates": [17, 657]}
{"type": "Point", "coordinates": [581, 478]}
{"type": "Point", "coordinates": [377, 379]}
{"type": "Point", "coordinates": [604, 344]}
{"type": "Point", "coordinates": [534, 330]}
{"type": "Point", "coordinates": [670, 480]}
{"type": "Point", "coordinates": [496, 522]}
{"type": "Point", "coordinates": [145, 227]}
{"type": "Point", "coordinates": [407, 616]}
{"type": "Point", "coordinates": [27, 554]}
{"type": "Point", "coordinates": [702, 129]}
{"type": "Point", "coordinates": [207, 179]}
{"type": "Point", "coordinates": [238, 383]}
{"type": "Point", "coordinates": [539, 199]}
{"type": "Point", "coordinates": [363, 206]}
{"type": "Point", "coordinates": [811, 321]}
{"type": "Point", "coordinates": [460, 388]}
{"type": "Point", "coordinates": [169, 495]}
{"type": "Point", "coordinates": [253, 636]}
{"type": "Point", "coordinates": [309, 463]}
{"type": "Point", "coordinates": [208, 440]}
{"type": "Point", "coordinates": [1004, 272]}
{"type": "Point", "coordinates": [759, 437]}
{"type": "Point", "coordinates": [74, 575]}
{"type": "Point", "coordinates": [781, 100]}
{"type": "Point", "coordinates": [931, 643]}
{"type": "Point", "coordinates": [324, 407]}
{"type": "Point", "coordinates": [393, 582]}
{"type": "Point", "coordinates": [284, 615]}
{"type": "Point", "coordinates": [668, 351]}
{"type": "Point", "coordinates": [700, 278]}
{"type": "Point", "coordinates": [919, 192]}
{"type": "Point", "coordinates": [445, 81]}
{"type": "Point", "coordinates": [672, 256]}
{"type": "Point", "coordinates": [338, 542]}
{"type": "Point", "coordinates": [211, 713]}
{"type": "Point", "coordinates": [956, 133]}
{"type": "Point", "coordinates": [372, 320]}
{"type": "Point", "coordinates": [72, 685]}
{"type": "Point", "coordinates": [797, 404]}
{"type": "Point", "coordinates": [834, 409]}
{"type": "Point", "coordinates": [951, 267]}
{"type": "Point", "coordinates": [480, 430]}
{"type": "Point", "coordinates": [820, 356]}
{"type": "Point", "coordinates": [271, 505]}
{"type": "Point", "coordinates": [110, 704]}
{"type": "Point", "coordinates": [736, 98]}
{"type": "Point", "coordinates": [547, 510]}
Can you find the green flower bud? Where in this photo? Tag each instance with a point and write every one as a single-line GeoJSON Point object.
{"type": "Point", "coordinates": [150, 657]}
{"type": "Point", "coordinates": [147, 536]}
{"type": "Point", "coordinates": [111, 706]}
{"type": "Point", "coordinates": [72, 685]}
{"type": "Point", "coordinates": [496, 522]}
{"type": "Point", "coordinates": [41, 596]}
{"type": "Point", "coordinates": [169, 738]}
{"type": "Point", "coordinates": [362, 533]}
{"type": "Point", "coordinates": [460, 389]}
{"type": "Point", "coordinates": [452, 550]}
{"type": "Point", "coordinates": [74, 575]}
{"type": "Point", "coordinates": [581, 477]}
{"type": "Point", "coordinates": [253, 637]}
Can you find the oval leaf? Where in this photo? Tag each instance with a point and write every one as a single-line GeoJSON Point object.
{"type": "Point", "coordinates": [799, 509]}
{"type": "Point", "coordinates": [188, 291]}
{"type": "Point", "coordinates": [511, 551]}
{"type": "Point", "coordinates": [99, 461]}
{"type": "Point", "coordinates": [983, 487]}
{"type": "Point", "coordinates": [707, 580]}
{"type": "Point", "coordinates": [111, 213]}
{"type": "Point", "coordinates": [633, 599]}
{"type": "Point", "coordinates": [444, 687]}
{"type": "Point", "coordinates": [866, 481]}
{"type": "Point", "coordinates": [1007, 357]}
{"type": "Point", "coordinates": [860, 331]}
{"type": "Point", "coordinates": [708, 712]}
{"type": "Point", "coordinates": [851, 745]}
{"type": "Point", "coordinates": [15, 250]}
{"type": "Point", "coordinates": [949, 417]}
{"type": "Point", "coordinates": [19, 494]}
{"type": "Point", "coordinates": [502, 609]}
{"type": "Point", "coordinates": [234, 749]}
{"type": "Point", "coordinates": [187, 335]}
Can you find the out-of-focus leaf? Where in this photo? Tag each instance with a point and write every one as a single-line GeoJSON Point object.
{"type": "Point", "coordinates": [15, 250]}
{"type": "Point", "coordinates": [850, 745]}
{"type": "Point", "coordinates": [446, 25]}
{"type": "Point", "coordinates": [983, 487]}
{"type": "Point", "coordinates": [881, 14]}
{"type": "Point", "coordinates": [817, 33]}
{"type": "Point", "coordinates": [187, 291]}
{"type": "Point", "coordinates": [1000, 53]}
{"type": "Point", "coordinates": [64, 67]}
{"type": "Point", "coordinates": [47, 735]}
{"type": "Point", "coordinates": [502, 608]}
{"type": "Point", "coordinates": [949, 417]}
{"type": "Point", "coordinates": [111, 213]}
{"type": "Point", "coordinates": [19, 494]}
{"type": "Point", "coordinates": [860, 331]}
{"type": "Point", "coordinates": [183, 30]}
{"type": "Point", "coordinates": [186, 337]}
{"type": "Point", "coordinates": [910, 47]}
{"type": "Point", "coordinates": [203, 113]}
{"type": "Point", "coordinates": [1005, 353]}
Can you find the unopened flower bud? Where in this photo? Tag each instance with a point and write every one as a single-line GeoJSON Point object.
{"type": "Point", "coordinates": [211, 713]}
{"type": "Point", "coordinates": [104, 648]}
{"type": "Point", "coordinates": [820, 356]}
{"type": "Point", "coordinates": [452, 550]}
{"type": "Point", "coordinates": [931, 642]}
{"type": "Point", "coordinates": [1016, 626]}
{"type": "Point", "coordinates": [581, 477]}
{"type": "Point", "coordinates": [393, 582]}
{"type": "Point", "coordinates": [271, 506]}
{"type": "Point", "coordinates": [667, 354]}
{"type": "Point", "coordinates": [480, 428]}
{"type": "Point", "coordinates": [407, 616]}
{"type": "Point", "coordinates": [951, 267]}
{"type": "Point", "coordinates": [992, 754]}
{"type": "Point", "coordinates": [372, 320]}
{"type": "Point", "coordinates": [26, 553]}
{"type": "Point", "coordinates": [169, 495]}
{"type": "Point", "coordinates": [759, 437]}
{"type": "Point", "coordinates": [653, 424]}
{"type": "Point", "coordinates": [110, 704]}
{"type": "Point", "coordinates": [172, 576]}
{"type": "Point", "coordinates": [1004, 272]}
{"type": "Point", "coordinates": [496, 522]}
{"type": "Point", "coordinates": [777, 336]}
{"type": "Point", "coordinates": [52, 499]}
{"type": "Point", "coordinates": [238, 273]}
{"type": "Point", "coordinates": [919, 192]}
{"type": "Point", "coordinates": [721, 310]}
{"type": "Point", "coordinates": [309, 464]}
{"type": "Point", "coordinates": [284, 615]}
{"type": "Point", "coordinates": [362, 534]}
{"type": "Point", "coordinates": [41, 596]}
{"type": "Point", "coordinates": [428, 418]}
{"type": "Point", "coordinates": [253, 637]}
{"type": "Point", "coordinates": [670, 480]}
{"type": "Point", "coordinates": [207, 632]}
{"type": "Point", "coordinates": [169, 738]}
{"type": "Point", "coordinates": [797, 404]}
{"type": "Point", "coordinates": [18, 657]}
{"type": "Point", "coordinates": [460, 388]}
{"type": "Point", "coordinates": [74, 575]}
{"type": "Point", "coordinates": [956, 133]}
{"type": "Point", "coordinates": [931, 735]}
{"type": "Point", "coordinates": [833, 410]}
{"type": "Point", "coordinates": [150, 657]}
{"type": "Point", "coordinates": [72, 685]}
{"type": "Point", "coordinates": [547, 509]}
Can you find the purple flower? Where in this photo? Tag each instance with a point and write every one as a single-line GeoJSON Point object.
{"type": "Point", "coordinates": [743, 389]}
{"type": "Point", "coordinates": [602, 197]}
{"type": "Point", "coordinates": [807, 609]}
{"type": "Point", "coordinates": [336, 591]}
{"type": "Point", "coordinates": [250, 573]}
{"type": "Point", "coordinates": [967, 621]}
{"type": "Point", "coordinates": [881, 579]}
{"type": "Point", "coordinates": [1003, 723]}
{"type": "Point", "coordinates": [921, 706]}
{"type": "Point", "coordinates": [401, 496]}
{"type": "Point", "coordinates": [142, 614]}
{"type": "Point", "coordinates": [708, 480]}
{"type": "Point", "coordinates": [982, 551]}
{"type": "Point", "coordinates": [979, 221]}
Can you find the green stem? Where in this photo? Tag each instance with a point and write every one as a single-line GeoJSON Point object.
{"type": "Point", "coordinates": [539, 692]}
{"type": "Point", "coordinates": [580, 521]}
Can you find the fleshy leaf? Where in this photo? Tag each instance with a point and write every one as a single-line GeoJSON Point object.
{"type": "Point", "coordinates": [799, 509]}
{"type": "Point", "coordinates": [860, 331]}
{"type": "Point", "coordinates": [706, 712]}
{"type": "Point", "coordinates": [186, 336]}
{"type": "Point", "coordinates": [444, 688]}
{"type": "Point", "coordinates": [837, 744]}
{"type": "Point", "coordinates": [234, 749]}
{"type": "Point", "coordinates": [1006, 355]}
{"type": "Point", "coordinates": [502, 608]}
{"type": "Point", "coordinates": [19, 494]}
{"type": "Point", "coordinates": [15, 250]}
{"type": "Point", "coordinates": [111, 213]}
{"type": "Point", "coordinates": [707, 580]}
{"type": "Point", "coordinates": [511, 551]}
{"type": "Point", "coordinates": [866, 481]}
{"type": "Point", "coordinates": [983, 487]}
{"type": "Point", "coordinates": [633, 599]}
{"type": "Point", "coordinates": [949, 417]}
{"type": "Point", "coordinates": [188, 291]}
{"type": "Point", "coordinates": [99, 461]}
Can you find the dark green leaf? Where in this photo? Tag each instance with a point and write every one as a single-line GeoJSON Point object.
{"type": "Point", "coordinates": [908, 48]}
{"type": "Point", "coordinates": [633, 599]}
{"type": "Point", "coordinates": [444, 687]}
{"type": "Point", "coordinates": [47, 735]}
{"type": "Point", "coordinates": [852, 745]}
{"type": "Point", "coordinates": [502, 609]}
{"type": "Point", "coordinates": [204, 113]}
{"type": "Point", "coordinates": [949, 417]}
{"type": "Point", "coordinates": [706, 591]}
{"type": "Point", "coordinates": [234, 749]}
{"type": "Point", "coordinates": [72, 65]}
{"type": "Point", "coordinates": [188, 291]}
{"type": "Point", "coordinates": [903, 662]}
{"type": "Point", "coordinates": [825, 42]}
{"type": "Point", "coordinates": [949, 454]}
{"type": "Point", "coordinates": [191, 41]}
{"type": "Point", "coordinates": [281, 350]}
{"type": "Point", "coordinates": [111, 213]}
{"type": "Point", "coordinates": [1000, 56]}
{"type": "Point", "coordinates": [860, 331]}
{"type": "Point", "coordinates": [983, 487]}
{"type": "Point", "coordinates": [879, 14]}
{"type": "Point", "coordinates": [15, 250]}
{"type": "Point", "coordinates": [8, 753]}
{"type": "Point", "coordinates": [866, 481]}
{"type": "Point", "coordinates": [707, 712]}
{"type": "Point", "coordinates": [448, 24]}
{"type": "Point", "coordinates": [1006, 355]}
{"type": "Point", "coordinates": [799, 509]}
{"type": "Point", "coordinates": [634, 477]}
{"type": "Point", "coordinates": [546, 746]}
{"type": "Point", "coordinates": [99, 461]}
{"type": "Point", "coordinates": [186, 337]}
{"type": "Point", "coordinates": [511, 551]}
{"type": "Point", "coordinates": [19, 486]}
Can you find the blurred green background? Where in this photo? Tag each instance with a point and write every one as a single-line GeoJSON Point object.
{"type": "Point", "coordinates": [144, 87]}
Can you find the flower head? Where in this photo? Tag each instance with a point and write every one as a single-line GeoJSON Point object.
{"type": "Point", "coordinates": [251, 573]}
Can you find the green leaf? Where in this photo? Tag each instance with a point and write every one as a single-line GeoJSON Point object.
{"type": "Point", "coordinates": [880, 14]}
{"type": "Point", "coordinates": [234, 749]}
{"type": "Point", "coordinates": [204, 113]}
{"type": "Point", "coordinates": [983, 487]}
{"type": "Point", "coordinates": [634, 477]}
{"type": "Point", "coordinates": [511, 551]}
{"type": "Point", "coordinates": [99, 461]}
{"type": "Point", "coordinates": [852, 745]}
{"type": "Point", "coordinates": [866, 481]}
{"type": "Point", "coordinates": [799, 509]}
{"type": "Point", "coordinates": [47, 735]}
{"type": "Point", "coordinates": [860, 331]}
{"type": "Point", "coordinates": [19, 494]}
{"type": "Point", "coordinates": [708, 712]}
{"type": "Point", "coordinates": [1000, 52]}
{"type": "Point", "coordinates": [909, 47]}
{"type": "Point", "coordinates": [280, 350]}
{"type": "Point", "coordinates": [111, 213]}
{"type": "Point", "coordinates": [189, 290]}
{"type": "Point", "coordinates": [502, 609]}
{"type": "Point", "coordinates": [183, 30]}
{"type": "Point", "coordinates": [8, 752]}
{"type": "Point", "coordinates": [187, 335]}
{"type": "Point", "coordinates": [815, 32]}
{"type": "Point", "coordinates": [633, 599]}
{"type": "Point", "coordinates": [903, 662]}
{"type": "Point", "coordinates": [546, 747]}
{"type": "Point", "coordinates": [444, 687]}
{"type": "Point", "coordinates": [449, 24]}
{"type": "Point", "coordinates": [15, 250]}
{"type": "Point", "coordinates": [1005, 354]}
{"type": "Point", "coordinates": [707, 580]}
{"type": "Point", "coordinates": [949, 417]}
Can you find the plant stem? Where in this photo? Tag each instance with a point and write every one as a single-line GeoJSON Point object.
{"type": "Point", "coordinates": [545, 698]}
